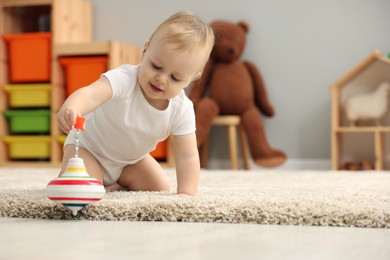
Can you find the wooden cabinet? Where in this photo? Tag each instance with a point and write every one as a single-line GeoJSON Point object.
{"type": "Point", "coordinates": [366, 141]}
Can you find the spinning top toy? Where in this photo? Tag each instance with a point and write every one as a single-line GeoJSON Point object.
{"type": "Point", "coordinates": [75, 189]}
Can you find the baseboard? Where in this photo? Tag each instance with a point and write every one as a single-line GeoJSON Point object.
{"type": "Point", "coordinates": [289, 165]}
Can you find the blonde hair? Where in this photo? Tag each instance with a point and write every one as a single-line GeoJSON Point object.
{"type": "Point", "coordinates": [186, 30]}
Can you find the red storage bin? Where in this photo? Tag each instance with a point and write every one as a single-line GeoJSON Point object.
{"type": "Point", "coordinates": [29, 57]}
{"type": "Point", "coordinates": [82, 71]}
{"type": "Point", "coordinates": [161, 151]}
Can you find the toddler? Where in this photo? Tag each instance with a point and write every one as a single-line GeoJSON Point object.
{"type": "Point", "coordinates": [131, 108]}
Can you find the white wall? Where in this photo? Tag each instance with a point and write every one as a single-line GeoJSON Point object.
{"type": "Point", "coordinates": [300, 47]}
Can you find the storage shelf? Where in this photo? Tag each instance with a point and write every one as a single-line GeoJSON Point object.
{"type": "Point", "coordinates": [71, 29]}
{"type": "Point", "coordinates": [68, 21]}
{"type": "Point", "coordinates": [364, 142]}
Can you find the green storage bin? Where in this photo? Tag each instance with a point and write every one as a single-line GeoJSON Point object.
{"type": "Point", "coordinates": [28, 121]}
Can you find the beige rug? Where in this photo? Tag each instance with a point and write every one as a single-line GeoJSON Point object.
{"type": "Point", "coordinates": [360, 199]}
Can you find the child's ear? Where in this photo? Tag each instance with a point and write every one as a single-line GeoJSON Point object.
{"type": "Point", "coordinates": [145, 48]}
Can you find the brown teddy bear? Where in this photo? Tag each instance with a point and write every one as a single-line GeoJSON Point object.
{"type": "Point", "coordinates": [234, 87]}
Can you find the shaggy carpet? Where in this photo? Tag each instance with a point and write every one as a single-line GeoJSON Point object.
{"type": "Point", "coordinates": [322, 198]}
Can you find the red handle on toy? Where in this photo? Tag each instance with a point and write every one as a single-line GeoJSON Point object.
{"type": "Point", "coordinates": [79, 123]}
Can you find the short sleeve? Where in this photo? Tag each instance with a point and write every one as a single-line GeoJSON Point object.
{"type": "Point", "coordinates": [185, 121]}
{"type": "Point", "coordinates": [121, 79]}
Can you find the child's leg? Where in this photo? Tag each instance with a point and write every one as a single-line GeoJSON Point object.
{"type": "Point", "coordinates": [146, 175]}
{"type": "Point", "coordinates": [91, 164]}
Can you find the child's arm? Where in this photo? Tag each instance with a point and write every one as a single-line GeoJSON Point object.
{"type": "Point", "coordinates": [83, 101]}
{"type": "Point", "coordinates": [187, 163]}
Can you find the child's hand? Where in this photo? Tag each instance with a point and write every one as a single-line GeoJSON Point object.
{"type": "Point", "coordinates": [66, 118]}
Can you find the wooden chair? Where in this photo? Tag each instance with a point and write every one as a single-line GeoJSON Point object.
{"type": "Point", "coordinates": [233, 123]}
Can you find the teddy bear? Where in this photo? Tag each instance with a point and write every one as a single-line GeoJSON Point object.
{"type": "Point", "coordinates": [230, 86]}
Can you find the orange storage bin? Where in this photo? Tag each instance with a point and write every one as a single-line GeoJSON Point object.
{"type": "Point", "coordinates": [161, 150]}
{"type": "Point", "coordinates": [82, 71]}
{"type": "Point", "coordinates": [29, 57]}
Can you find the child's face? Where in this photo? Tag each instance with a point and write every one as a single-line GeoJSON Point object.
{"type": "Point", "coordinates": [165, 71]}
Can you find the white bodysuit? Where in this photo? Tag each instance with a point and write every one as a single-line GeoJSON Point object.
{"type": "Point", "coordinates": [126, 128]}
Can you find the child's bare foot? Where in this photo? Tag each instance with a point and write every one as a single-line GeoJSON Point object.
{"type": "Point", "coordinates": [114, 187]}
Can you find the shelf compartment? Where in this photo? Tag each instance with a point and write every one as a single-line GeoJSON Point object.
{"type": "Point", "coordinates": [29, 57]}
{"type": "Point", "coordinates": [82, 71]}
{"type": "Point", "coordinates": [26, 16]}
{"type": "Point", "coordinates": [28, 95]}
{"type": "Point", "coordinates": [356, 148]}
{"type": "Point", "coordinates": [69, 20]}
{"type": "Point", "coordinates": [28, 147]}
{"type": "Point", "coordinates": [28, 121]}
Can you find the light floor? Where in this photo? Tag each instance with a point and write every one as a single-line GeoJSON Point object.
{"type": "Point", "coordinates": [66, 239]}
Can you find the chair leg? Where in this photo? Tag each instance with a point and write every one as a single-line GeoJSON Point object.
{"type": "Point", "coordinates": [170, 159]}
{"type": "Point", "coordinates": [233, 146]}
{"type": "Point", "coordinates": [244, 147]}
{"type": "Point", "coordinates": [204, 154]}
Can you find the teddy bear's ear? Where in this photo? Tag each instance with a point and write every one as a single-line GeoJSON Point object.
{"type": "Point", "coordinates": [244, 25]}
